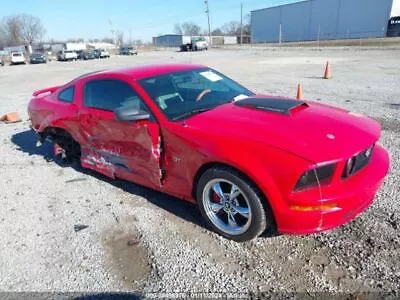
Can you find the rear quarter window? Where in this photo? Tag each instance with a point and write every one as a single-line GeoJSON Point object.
{"type": "Point", "coordinates": [67, 95]}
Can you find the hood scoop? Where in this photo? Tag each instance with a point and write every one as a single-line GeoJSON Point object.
{"type": "Point", "coordinates": [278, 105]}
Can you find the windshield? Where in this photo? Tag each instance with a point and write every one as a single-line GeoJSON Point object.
{"type": "Point", "coordinates": [16, 54]}
{"type": "Point", "coordinates": [178, 94]}
{"type": "Point", "coordinates": [200, 39]}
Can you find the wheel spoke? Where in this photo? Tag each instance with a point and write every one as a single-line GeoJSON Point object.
{"type": "Point", "coordinates": [217, 189]}
{"type": "Point", "coordinates": [231, 220]}
{"type": "Point", "coordinates": [227, 206]}
{"type": "Point", "coordinates": [234, 192]}
{"type": "Point", "coordinates": [244, 211]}
{"type": "Point", "coordinates": [216, 207]}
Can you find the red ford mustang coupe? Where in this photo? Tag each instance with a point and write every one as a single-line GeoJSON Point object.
{"type": "Point", "coordinates": [250, 162]}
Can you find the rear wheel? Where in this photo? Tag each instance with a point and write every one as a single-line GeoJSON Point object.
{"type": "Point", "coordinates": [231, 205]}
{"type": "Point", "coordinates": [65, 148]}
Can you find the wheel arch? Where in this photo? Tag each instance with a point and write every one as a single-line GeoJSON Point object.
{"type": "Point", "coordinates": [52, 131]}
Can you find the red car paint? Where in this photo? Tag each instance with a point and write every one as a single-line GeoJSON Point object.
{"type": "Point", "coordinates": [272, 149]}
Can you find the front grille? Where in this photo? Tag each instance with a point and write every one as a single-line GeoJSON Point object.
{"type": "Point", "coordinates": [357, 162]}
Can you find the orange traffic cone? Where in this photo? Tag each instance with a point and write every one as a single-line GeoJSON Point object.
{"type": "Point", "coordinates": [327, 74]}
{"type": "Point", "coordinates": [299, 92]}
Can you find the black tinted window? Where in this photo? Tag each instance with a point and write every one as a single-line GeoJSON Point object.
{"type": "Point", "coordinates": [110, 95]}
{"type": "Point", "coordinates": [67, 95]}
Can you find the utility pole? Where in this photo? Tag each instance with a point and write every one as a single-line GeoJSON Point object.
{"type": "Point", "coordinates": [112, 31]}
{"type": "Point", "coordinates": [208, 17]}
{"type": "Point", "coordinates": [241, 23]}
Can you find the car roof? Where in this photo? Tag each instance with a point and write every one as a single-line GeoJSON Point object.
{"type": "Point", "coordinates": [146, 71]}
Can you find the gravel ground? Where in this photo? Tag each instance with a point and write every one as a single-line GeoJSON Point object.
{"type": "Point", "coordinates": [66, 229]}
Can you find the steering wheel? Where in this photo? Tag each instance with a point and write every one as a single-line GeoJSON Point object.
{"type": "Point", "coordinates": [202, 94]}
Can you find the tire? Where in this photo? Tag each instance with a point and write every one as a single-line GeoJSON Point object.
{"type": "Point", "coordinates": [250, 199]}
{"type": "Point", "coordinates": [69, 149]}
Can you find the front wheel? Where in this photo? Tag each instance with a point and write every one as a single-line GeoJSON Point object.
{"type": "Point", "coordinates": [231, 205]}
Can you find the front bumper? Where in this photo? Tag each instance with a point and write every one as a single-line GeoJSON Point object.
{"type": "Point", "coordinates": [351, 196]}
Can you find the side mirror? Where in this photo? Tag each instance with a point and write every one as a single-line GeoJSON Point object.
{"type": "Point", "coordinates": [130, 114]}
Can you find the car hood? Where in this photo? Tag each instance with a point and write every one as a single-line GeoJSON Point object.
{"type": "Point", "coordinates": [313, 131]}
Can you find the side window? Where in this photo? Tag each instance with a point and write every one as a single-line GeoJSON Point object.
{"type": "Point", "coordinates": [67, 95]}
{"type": "Point", "coordinates": [108, 94]}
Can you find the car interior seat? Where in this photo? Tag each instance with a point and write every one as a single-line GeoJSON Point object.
{"type": "Point", "coordinates": [167, 96]}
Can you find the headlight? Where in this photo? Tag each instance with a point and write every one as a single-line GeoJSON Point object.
{"type": "Point", "coordinates": [357, 162]}
{"type": "Point", "coordinates": [314, 176]}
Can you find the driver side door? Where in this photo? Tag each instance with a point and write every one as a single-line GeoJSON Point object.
{"type": "Point", "coordinates": [126, 149]}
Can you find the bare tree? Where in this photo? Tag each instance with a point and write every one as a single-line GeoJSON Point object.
{"type": "Point", "coordinates": [107, 40]}
{"type": "Point", "coordinates": [246, 29]}
{"type": "Point", "coordinates": [75, 40]}
{"type": "Point", "coordinates": [178, 28]}
{"type": "Point", "coordinates": [21, 29]}
{"type": "Point", "coordinates": [3, 37]}
{"type": "Point", "coordinates": [32, 29]}
{"type": "Point", "coordinates": [11, 29]}
{"type": "Point", "coordinates": [120, 37]}
{"type": "Point", "coordinates": [190, 28]}
{"type": "Point", "coordinates": [231, 28]}
{"type": "Point", "coordinates": [247, 25]}
{"type": "Point", "coordinates": [217, 32]}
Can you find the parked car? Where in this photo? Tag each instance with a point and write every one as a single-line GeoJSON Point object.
{"type": "Point", "coordinates": [67, 55]}
{"type": "Point", "coordinates": [195, 44]}
{"type": "Point", "coordinates": [17, 58]}
{"type": "Point", "coordinates": [250, 162]}
{"type": "Point", "coordinates": [128, 51]}
{"type": "Point", "coordinates": [394, 27]}
{"type": "Point", "coordinates": [101, 53]}
{"type": "Point", "coordinates": [37, 58]}
{"type": "Point", "coordinates": [86, 55]}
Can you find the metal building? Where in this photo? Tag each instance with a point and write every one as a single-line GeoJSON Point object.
{"type": "Point", "coordinates": [321, 20]}
{"type": "Point", "coordinates": [168, 40]}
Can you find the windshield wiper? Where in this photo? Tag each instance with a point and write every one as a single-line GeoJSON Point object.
{"type": "Point", "coordinates": [192, 113]}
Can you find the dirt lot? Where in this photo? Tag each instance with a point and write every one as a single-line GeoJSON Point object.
{"type": "Point", "coordinates": [138, 239]}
